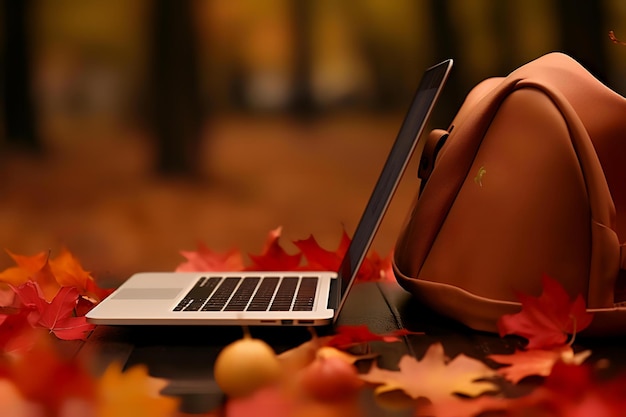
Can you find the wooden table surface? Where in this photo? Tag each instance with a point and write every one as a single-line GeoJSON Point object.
{"type": "Point", "coordinates": [184, 355]}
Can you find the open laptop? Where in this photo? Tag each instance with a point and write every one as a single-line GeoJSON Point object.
{"type": "Point", "coordinates": [293, 298]}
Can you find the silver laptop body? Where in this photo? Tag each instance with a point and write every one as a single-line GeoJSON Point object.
{"type": "Point", "coordinates": [301, 298]}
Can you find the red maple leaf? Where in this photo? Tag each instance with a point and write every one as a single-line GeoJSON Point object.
{"type": "Point", "coordinates": [58, 315]}
{"type": "Point", "coordinates": [354, 335]}
{"type": "Point", "coordinates": [319, 258]}
{"type": "Point", "coordinates": [373, 268]}
{"type": "Point", "coordinates": [16, 333]}
{"type": "Point", "coordinates": [547, 320]}
{"type": "Point", "coordinates": [43, 376]}
{"type": "Point", "coordinates": [204, 259]}
{"type": "Point", "coordinates": [273, 257]}
{"type": "Point", "coordinates": [574, 390]}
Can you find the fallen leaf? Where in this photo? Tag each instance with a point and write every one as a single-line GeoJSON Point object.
{"type": "Point", "coordinates": [302, 355]}
{"type": "Point", "coordinates": [319, 258]}
{"type": "Point", "coordinates": [68, 272]}
{"type": "Point", "coordinates": [434, 376]}
{"type": "Point", "coordinates": [353, 335]}
{"type": "Point", "coordinates": [132, 393]}
{"type": "Point", "coordinates": [469, 407]}
{"type": "Point", "coordinates": [539, 362]}
{"type": "Point", "coordinates": [575, 391]}
{"type": "Point", "coordinates": [274, 257]}
{"type": "Point", "coordinates": [53, 273]}
{"type": "Point", "coordinates": [204, 259]}
{"type": "Point", "coordinates": [46, 378]}
{"type": "Point", "coordinates": [58, 315]}
{"type": "Point", "coordinates": [25, 268]}
{"type": "Point", "coordinates": [7, 295]}
{"type": "Point", "coordinates": [547, 320]}
{"type": "Point", "coordinates": [16, 333]}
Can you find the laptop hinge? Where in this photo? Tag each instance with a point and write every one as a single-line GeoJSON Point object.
{"type": "Point", "coordinates": [333, 296]}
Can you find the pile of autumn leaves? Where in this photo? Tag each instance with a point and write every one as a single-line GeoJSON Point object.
{"type": "Point", "coordinates": [44, 298]}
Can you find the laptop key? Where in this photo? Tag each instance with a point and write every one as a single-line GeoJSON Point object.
{"type": "Point", "coordinates": [264, 294]}
{"type": "Point", "coordinates": [284, 295]}
{"type": "Point", "coordinates": [221, 294]}
{"type": "Point", "coordinates": [200, 292]}
{"type": "Point", "coordinates": [306, 294]}
{"type": "Point", "coordinates": [241, 297]}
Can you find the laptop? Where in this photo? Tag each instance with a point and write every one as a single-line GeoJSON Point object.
{"type": "Point", "coordinates": [274, 298]}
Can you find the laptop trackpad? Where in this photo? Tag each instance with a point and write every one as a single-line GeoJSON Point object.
{"type": "Point", "coordinates": [147, 294]}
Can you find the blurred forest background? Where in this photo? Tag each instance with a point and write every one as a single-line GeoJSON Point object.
{"type": "Point", "coordinates": [132, 129]}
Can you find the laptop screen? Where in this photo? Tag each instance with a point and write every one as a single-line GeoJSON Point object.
{"type": "Point", "coordinates": [412, 127]}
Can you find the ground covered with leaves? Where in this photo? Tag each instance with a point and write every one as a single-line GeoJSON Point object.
{"type": "Point", "coordinates": [44, 299]}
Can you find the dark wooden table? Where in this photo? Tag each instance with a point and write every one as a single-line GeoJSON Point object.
{"type": "Point", "coordinates": [185, 355]}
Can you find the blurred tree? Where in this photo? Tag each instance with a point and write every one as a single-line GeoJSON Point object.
{"type": "Point", "coordinates": [175, 94]}
{"type": "Point", "coordinates": [302, 102]}
{"type": "Point", "coordinates": [18, 104]}
{"type": "Point", "coordinates": [583, 34]}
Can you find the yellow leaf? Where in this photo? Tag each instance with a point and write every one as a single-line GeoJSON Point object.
{"type": "Point", "coordinates": [133, 393]}
{"type": "Point", "coordinates": [434, 376]}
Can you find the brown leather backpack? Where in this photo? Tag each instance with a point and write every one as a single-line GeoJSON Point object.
{"type": "Point", "coordinates": [530, 178]}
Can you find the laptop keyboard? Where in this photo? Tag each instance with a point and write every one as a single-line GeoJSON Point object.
{"type": "Point", "coordinates": [235, 293]}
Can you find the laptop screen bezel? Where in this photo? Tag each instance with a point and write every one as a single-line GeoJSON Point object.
{"type": "Point", "coordinates": [427, 94]}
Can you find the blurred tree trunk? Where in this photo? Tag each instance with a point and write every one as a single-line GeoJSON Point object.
{"type": "Point", "coordinates": [583, 35]}
{"type": "Point", "coordinates": [302, 102]}
{"type": "Point", "coordinates": [447, 46]}
{"type": "Point", "coordinates": [18, 104]}
{"type": "Point", "coordinates": [175, 97]}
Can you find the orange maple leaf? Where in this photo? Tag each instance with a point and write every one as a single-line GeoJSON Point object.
{"type": "Point", "coordinates": [547, 320]}
{"type": "Point", "coordinates": [539, 362]}
{"type": "Point", "coordinates": [434, 376]}
{"type": "Point", "coordinates": [68, 272]}
{"type": "Point", "coordinates": [53, 273]}
{"type": "Point", "coordinates": [25, 267]}
{"type": "Point", "coordinates": [132, 393]}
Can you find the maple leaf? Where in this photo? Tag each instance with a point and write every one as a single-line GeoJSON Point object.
{"type": "Point", "coordinates": [539, 362]}
{"type": "Point", "coordinates": [25, 268]}
{"type": "Point", "coordinates": [45, 377]}
{"type": "Point", "coordinates": [302, 355]}
{"type": "Point", "coordinates": [273, 256]}
{"type": "Point", "coordinates": [354, 335]}
{"type": "Point", "coordinates": [7, 295]}
{"type": "Point", "coordinates": [68, 272]}
{"type": "Point", "coordinates": [546, 320]}
{"type": "Point", "coordinates": [465, 407]}
{"type": "Point", "coordinates": [33, 268]}
{"type": "Point", "coordinates": [132, 393]}
{"type": "Point", "coordinates": [58, 315]}
{"type": "Point", "coordinates": [52, 274]}
{"type": "Point", "coordinates": [574, 391]}
{"type": "Point", "coordinates": [319, 258]}
{"type": "Point", "coordinates": [434, 376]}
{"type": "Point", "coordinates": [204, 259]}
{"type": "Point", "coordinates": [16, 333]}
{"type": "Point", "coordinates": [373, 268]}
